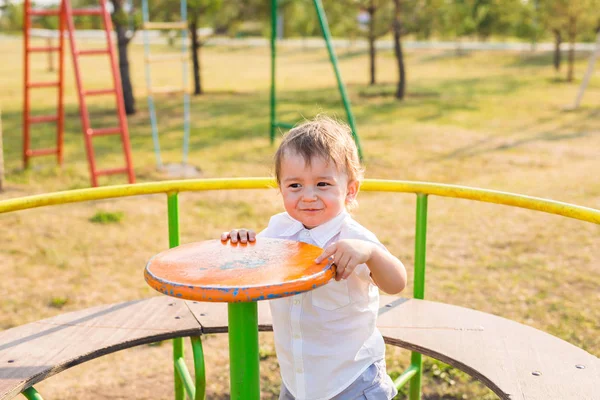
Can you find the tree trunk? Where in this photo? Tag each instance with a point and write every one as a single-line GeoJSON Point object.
{"type": "Point", "coordinates": [195, 49]}
{"type": "Point", "coordinates": [122, 43]}
{"type": "Point", "coordinates": [397, 25]}
{"type": "Point", "coordinates": [572, 37]}
{"type": "Point", "coordinates": [371, 38]}
{"type": "Point", "coordinates": [557, 53]}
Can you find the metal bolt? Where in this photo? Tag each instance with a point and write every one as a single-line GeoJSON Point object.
{"type": "Point", "coordinates": [202, 315]}
{"type": "Point", "coordinates": [171, 304]}
{"type": "Point", "coordinates": [579, 366]}
{"type": "Point", "coordinates": [536, 373]}
{"type": "Point", "coordinates": [11, 361]}
{"type": "Point", "coordinates": [177, 317]}
{"type": "Point", "coordinates": [388, 305]}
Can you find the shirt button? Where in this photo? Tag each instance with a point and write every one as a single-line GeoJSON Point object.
{"type": "Point", "coordinates": [296, 302]}
{"type": "Point", "coordinates": [296, 336]}
{"type": "Point", "coordinates": [299, 370]}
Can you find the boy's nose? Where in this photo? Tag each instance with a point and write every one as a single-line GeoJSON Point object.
{"type": "Point", "coordinates": [309, 195]}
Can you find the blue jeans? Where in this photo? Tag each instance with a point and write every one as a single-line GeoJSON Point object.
{"type": "Point", "coordinates": [373, 384]}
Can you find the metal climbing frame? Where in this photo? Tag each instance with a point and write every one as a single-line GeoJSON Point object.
{"type": "Point", "coordinates": [59, 117]}
{"type": "Point", "coordinates": [422, 190]}
{"type": "Point", "coordinates": [182, 27]}
{"type": "Point", "coordinates": [66, 13]}
{"type": "Point", "coordinates": [332, 57]}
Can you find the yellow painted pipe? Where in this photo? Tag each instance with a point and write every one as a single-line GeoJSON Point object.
{"type": "Point", "coordinates": [368, 185]}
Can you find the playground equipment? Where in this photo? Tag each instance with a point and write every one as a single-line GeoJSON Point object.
{"type": "Point", "coordinates": [514, 360]}
{"type": "Point", "coordinates": [274, 122]}
{"type": "Point", "coordinates": [179, 169]}
{"type": "Point", "coordinates": [65, 14]}
{"type": "Point", "coordinates": [333, 59]}
{"type": "Point", "coordinates": [240, 275]}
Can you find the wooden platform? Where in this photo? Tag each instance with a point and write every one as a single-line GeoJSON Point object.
{"type": "Point", "coordinates": [514, 360]}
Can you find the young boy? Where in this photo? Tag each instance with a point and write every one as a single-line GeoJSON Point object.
{"type": "Point", "coordinates": [326, 340]}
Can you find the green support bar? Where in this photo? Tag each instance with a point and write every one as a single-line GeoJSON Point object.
{"type": "Point", "coordinates": [405, 377]}
{"type": "Point", "coordinates": [199, 368]}
{"type": "Point", "coordinates": [185, 376]}
{"type": "Point", "coordinates": [420, 247]}
{"type": "Point", "coordinates": [32, 394]}
{"type": "Point", "coordinates": [173, 214]}
{"type": "Point", "coordinates": [332, 57]}
{"type": "Point", "coordinates": [243, 351]}
{"type": "Point", "coordinates": [183, 379]}
{"type": "Point", "coordinates": [338, 75]}
{"type": "Point", "coordinates": [416, 359]}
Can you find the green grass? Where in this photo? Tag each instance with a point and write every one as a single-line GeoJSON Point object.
{"type": "Point", "coordinates": [102, 217]}
{"type": "Point", "coordinates": [493, 120]}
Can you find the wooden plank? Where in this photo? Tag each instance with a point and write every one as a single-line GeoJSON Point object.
{"type": "Point", "coordinates": [213, 316]}
{"type": "Point", "coordinates": [514, 360]}
{"type": "Point", "coordinates": [36, 351]}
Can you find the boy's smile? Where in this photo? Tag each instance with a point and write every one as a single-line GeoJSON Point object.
{"type": "Point", "coordinates": [313, 194]}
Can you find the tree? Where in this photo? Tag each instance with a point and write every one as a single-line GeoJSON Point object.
{"type": "Point", "coordinates": [397, 28]}
{"type": "Point", "coordinates": [566, 18]}
{"type": "Point", "coordinates": [120, 19]}
{"type": "Point", "coordinates": [378, 25]}
{"type": "Point", "coordinates": [197, 9]}
{"type": "Point", "coordinates": [11, 17]}
{"type": "Point", "coordinates": [223, 16]}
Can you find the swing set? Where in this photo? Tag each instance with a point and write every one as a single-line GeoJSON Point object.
{"type": "Point", "coordinates": [181, 26]}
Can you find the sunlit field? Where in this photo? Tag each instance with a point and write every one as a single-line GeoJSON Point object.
{"type": "Point", "coordinates": [494, 120]}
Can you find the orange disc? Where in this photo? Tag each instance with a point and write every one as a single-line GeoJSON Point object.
{"type": "Point", "coordinates": [224, 272]}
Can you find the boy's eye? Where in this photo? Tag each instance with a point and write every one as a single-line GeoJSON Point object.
{"type": "Point", "coordinates": [323, 184]}
{"type": "Point", "coordinates": [294, 185]}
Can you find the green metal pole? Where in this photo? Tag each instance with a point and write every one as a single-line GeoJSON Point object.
{"type": "Point", "coordinates": [420, 247]}
{"type": "Point", "coordinates": [32, 394]}
{"type": "Point", "coordinates": [185, 376]}
{"type": "Point", "coordinates": [338, 76]}
{"type": "Point", "coordinates": [243, 351]}
{"type": "Point", "coordinates": [173, 213]}
{"type": "Point", "coordinates": [273, 58]}
{"type": "Point", "coordinates": [405, 377]}
{"type": "Point", "coordinates": [416, 359]}
{"type": "Point", "coordinates": [199, 368]}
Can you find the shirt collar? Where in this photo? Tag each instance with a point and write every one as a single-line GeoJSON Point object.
{"type": "Point", "coordinates": [322, 233]}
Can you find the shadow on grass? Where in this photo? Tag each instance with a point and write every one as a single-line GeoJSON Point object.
{"type": "Point", "coordinates": [223, 116]}
{"type": "Point", "coordinates": [446, 55]}
{"type": "Point", "coordinates": [542, 59]}
{"type": "Point", "coordinates": [562, 132]}
{"type": "Point", "coordinates": [343, 55]}
{"type": "Point", "coordinates": [426, 104]}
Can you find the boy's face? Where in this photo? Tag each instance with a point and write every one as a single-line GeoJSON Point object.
{"type": "Point", "coordinates": [314, 194]}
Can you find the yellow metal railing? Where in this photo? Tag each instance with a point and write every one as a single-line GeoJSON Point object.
{"type": "Point", "coordinates": [421, 189]}
{"type": "Point", "coordinates": [369, 185]}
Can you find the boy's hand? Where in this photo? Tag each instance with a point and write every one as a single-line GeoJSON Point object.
{"type": "Point", "coordinates": [346, 255]}
{"type": "Point", "coordinates": [239, 235]}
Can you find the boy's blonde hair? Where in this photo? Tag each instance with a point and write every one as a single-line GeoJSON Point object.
{"type": "Point", "coordinates": [322, 137]}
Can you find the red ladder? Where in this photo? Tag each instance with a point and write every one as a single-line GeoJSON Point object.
{"type": "Point", "coordinates": [28, 152]}
{"type": "Point", "coordinates": [66, 14]}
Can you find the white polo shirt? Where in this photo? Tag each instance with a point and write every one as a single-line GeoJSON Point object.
{"type": "Point", "coordinates": [327, 337]}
